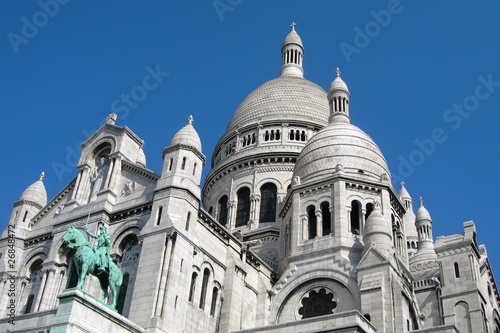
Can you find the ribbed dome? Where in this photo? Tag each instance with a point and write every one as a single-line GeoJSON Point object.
{"type": "Point", "coordinates": [293, 38]}
{"type": "Point", "coordinates": [403, 193]}
{"type": "Point", "coordinates": [280, 99]}
{"type": "Point", "coordinates": [422, 212]}
{"type": "Point", "coordinates": [35, 193]}
{"type": "Point", "coordinates": [341, 144]}
{"type": "Point", "coordinates": [338, 83]}
{"type": "Point", "coordinates": [187, 136]}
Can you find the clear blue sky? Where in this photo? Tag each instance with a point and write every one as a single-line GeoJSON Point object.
{"type": "Point", "coordinates": [424, 79]}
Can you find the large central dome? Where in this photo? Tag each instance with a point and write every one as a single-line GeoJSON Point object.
{"type": "Point", "coordinates": [286, 97]}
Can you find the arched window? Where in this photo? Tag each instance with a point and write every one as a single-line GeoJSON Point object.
{"type": "Point", "coordinates": [204, 284]}
{"type": "Point", "coordinates": [215, 293]}
{"type": "Point", "coordinates": [327, 221]}
{"type": "Point", "coordinates": [303, 136]}
{"type": "Point", "coordinates": [243, 207]}
{"type": "Point", "coordinates": [268, 203]}
{"type": "Point", "coordinates": [223, 210]}
{"type": "Point", "coordinates": [369, 209]}
{"type": "Point", "coordinates": [355, 217]}
{"type": "Point", "coordinates": [194, 169]}
{"type": "Point", "coordinates": [193, 286]}
{"type": "Point", "coordinates": [188, 218]}
{"type": "Point", "coordinates": [183, 165]}
{"type": "Point", "coordinates": [158, 215]}
{"type": "Point", "coordinates": [29, 304]}
{"type": "Point", "coordinates": [457, 270]}
{"type": "Point", "coordinates": [25, 216]}
{"type": "Point", "coordinates": [120, 302]}
{"type": "Point", "coordinates": [311, 216]}
{"type": "Point", "coordinates": [170, 163]}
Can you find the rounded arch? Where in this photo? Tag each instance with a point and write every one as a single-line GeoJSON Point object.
{"type": "Point", "coordinates": [105, 145]}
{"type": "Point", "coordinates": [241, 185]}
{"type": "Point", "coordinates": [268, 202]}
{"type": "Point", "coordinates": [325, 198]}
{"type": "Point", "coordinates": [208, 265]}
{"type": "Point", "coordinates": [243, 194]}
{"type": "Point", "coordinates": [353, 197]}
{"type": "Point", "coordinates": [121, 234]}
{"type": "Point", "coordinates": [314, 278]}
{"type": "Point", "coordinates": [36, 256]}
{"type": "Point", "coordinates": [271, 180]}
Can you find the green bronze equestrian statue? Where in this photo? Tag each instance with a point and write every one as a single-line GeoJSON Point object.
{"type": "Point", "coordinates": [96, 262]}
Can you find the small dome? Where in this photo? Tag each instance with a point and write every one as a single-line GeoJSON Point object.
{"type": "Point", "coordinates": [422, 213]}
{"type": "Point", "coordinates": [375, 223]}
{"type": "Point", "coordinates": [377, 231]}
{"type": "Point", "coordinates": [338, 83]}
{"type": "Point", "coordinates": [36, 192]}
{"type": "Point", "coordinates": [187, 136]}
{"type": "Point", "coordinates": [403, 193]}
{"type": "Point", "coordinates": [293, 38]}
{"type": "Point", "coordinates": [141, 158]}
{"type": "Point", "coordinates": [344, 144]}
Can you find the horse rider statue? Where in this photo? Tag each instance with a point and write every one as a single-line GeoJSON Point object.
{"type": "Point", "coordinates": [102, 251]}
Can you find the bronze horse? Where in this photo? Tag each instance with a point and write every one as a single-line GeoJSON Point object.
{"type": "Point", "coordinates": [85, 261]}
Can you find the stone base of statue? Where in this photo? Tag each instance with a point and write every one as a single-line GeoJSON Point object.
{"type": "Point", "coordinates": [80, 312]}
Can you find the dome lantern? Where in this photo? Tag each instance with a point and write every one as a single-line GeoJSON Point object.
{"type": "Point", "coordinates": [338, 98]}
{"type": "Point", "coordinates": [292, 53]}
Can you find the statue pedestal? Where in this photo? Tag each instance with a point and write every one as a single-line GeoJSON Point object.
{"type": "Point", "coordinates": [79, 312]}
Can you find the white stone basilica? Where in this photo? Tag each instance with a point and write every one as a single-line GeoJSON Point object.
{"type": "Point", "coordinates": [297, 228]}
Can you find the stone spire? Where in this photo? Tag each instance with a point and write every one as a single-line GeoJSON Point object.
{"type": "Point", "coordinates": [338, 98]}
{"type": "Point", "coordinates": [292, 53]}
{"type": "Point", "coordinates": [409, 220]}
{"type": "Point", "coordinates": [425, 249]}
{"type": "Point", "coordinates": [31, 201]}
{"type": "Point", "coordinates": [378, 231]}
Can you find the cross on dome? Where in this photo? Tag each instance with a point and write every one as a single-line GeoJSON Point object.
{"type": "Point", "coordinates": [337, 72]}
{"type": "Point", "coordinates": [293, 25]}
{"type": "Point", "coordinates": [421, 201]}
{"type": "Point", "coordinates": [42, 175]}
{"type": "Point", "coordinates": [190, 120]}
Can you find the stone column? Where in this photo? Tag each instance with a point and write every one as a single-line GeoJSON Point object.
{"type": "Point", "coordinates": [162, 287]}
{"type": "Point", "coordinates": [117, 170]}
{"type": "Point", "coordinates": [285, 134]}
{"type": "Point", "coordinates": [319, 224]}
{"type": "Point", "coordinates": [231, 215]}
{"type": "Point", "coordinates": [305, 228]}
{"type": "Point", "coordinates": [3, 296]}
{"type": "Point", "coordinates": [23, 281]}
{"type": "Point", "coordinates": [83, 192]}
{"type": "Point", "coordinates": [254, 210]}
{"type": "Point", "coordinates": [58, 287]}
{"type": "Point", "coordinates": [46, 302]}
{"type": "Point", "coordinates": [41, 291]}
{"type": "Point", "coordinates": [107, 180]}
{"type": "Point", "coordinates": [77, 184]}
